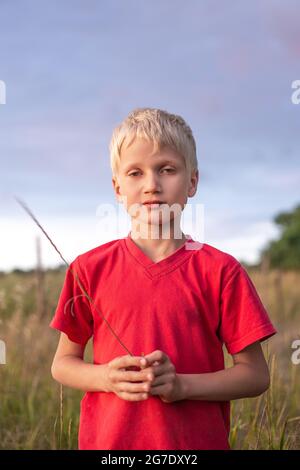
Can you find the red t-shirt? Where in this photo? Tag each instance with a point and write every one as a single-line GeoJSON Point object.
{"type": "Point", "coordinates": [187, 305]}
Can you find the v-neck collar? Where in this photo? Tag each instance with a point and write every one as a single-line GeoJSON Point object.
{"type": "Point", "coordinates": [165, 265]}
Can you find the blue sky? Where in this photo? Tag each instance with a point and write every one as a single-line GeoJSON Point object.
{"type": "Point", "coordinates": [74, 69]}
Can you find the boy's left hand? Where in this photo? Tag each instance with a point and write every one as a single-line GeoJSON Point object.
{"type": "Point", "coordinates": [165, 383]}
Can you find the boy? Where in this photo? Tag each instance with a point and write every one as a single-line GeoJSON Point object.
{"type": "Point", "coordinates": [172, 301]}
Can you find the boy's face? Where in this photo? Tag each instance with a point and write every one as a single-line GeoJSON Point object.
{"type": "Point", "coordinates": [146, 176]}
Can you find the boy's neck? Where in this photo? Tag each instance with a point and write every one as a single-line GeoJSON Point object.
{"type": "Point", "coordinates": [158, 248]}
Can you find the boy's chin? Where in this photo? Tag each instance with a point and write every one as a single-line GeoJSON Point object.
{"type": "Point", "coordinates": [154, 219]}
{"type": "Point", "coordinates": [154, 224]}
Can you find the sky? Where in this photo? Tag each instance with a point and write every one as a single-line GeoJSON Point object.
{"type": "Point", "coordinates": [73, 70]}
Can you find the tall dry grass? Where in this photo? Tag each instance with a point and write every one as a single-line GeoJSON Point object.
{"type": "Point", "coordinates": [33, 414]}
{"type": "Point", "coordinates": [30, 409]}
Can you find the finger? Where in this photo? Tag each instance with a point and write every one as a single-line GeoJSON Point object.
{"type": "Point", "coordinates": [157, 355]}
{"type": "Point", "coordinates": [128, 387]}
{"type": "Point", "coordinates": [158, 390]}
{"type": "Point", "coordinates": [147, 363]}
{"type": "Point", "coordinates": [163, 379]}
{"type": "Point", "coordinates": [125, 361]}
{"type": "Point", "coordinates": [146, 375]}
{"type": "Point", "coordinates": [144, 362]}
{"type": "Point", "coordinates": [153, 371]}
{"type": "Point", "coordinates": [133, 396]}
{"type": "Point", "coordinates": [159, 370]}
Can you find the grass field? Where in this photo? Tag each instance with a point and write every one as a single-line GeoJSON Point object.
{"type": "Point", "coordinates": [35, 415]}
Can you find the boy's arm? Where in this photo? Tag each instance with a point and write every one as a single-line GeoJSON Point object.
{"type": "Point", "coordinates": [248, 377]}
{"type": "Point", "coordinates": [69, 368]}
{"type": "Point", "coordinates": [116, 376]}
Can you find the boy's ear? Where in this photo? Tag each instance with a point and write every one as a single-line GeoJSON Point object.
{"type": "Point", "coordinates": [193, 183]}
{"type": "Point", "coordinates": [116, 187]}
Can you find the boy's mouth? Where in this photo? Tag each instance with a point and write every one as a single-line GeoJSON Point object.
{"type": "Point", "coordinates": [153, 203]}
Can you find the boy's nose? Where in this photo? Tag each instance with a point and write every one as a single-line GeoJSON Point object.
{"type": "Point", "coordinates": [152, 183]}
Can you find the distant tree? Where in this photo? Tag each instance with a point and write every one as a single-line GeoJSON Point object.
{"type": "Point", "coordinates": [18, 271]}
{"type": "Point", "coordinates": [285, 252]}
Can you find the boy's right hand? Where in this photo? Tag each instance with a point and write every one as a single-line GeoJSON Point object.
{"type": "Point", "coordinates": [127, 379]}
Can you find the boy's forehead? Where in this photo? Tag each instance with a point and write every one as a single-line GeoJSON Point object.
{"type": "Point", "coordinates": [140, 149]}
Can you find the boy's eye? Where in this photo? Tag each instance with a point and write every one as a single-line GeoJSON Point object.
{"type": "Point", "coordinates": [164, 169]}
{"type": "Point", "coordinates": [168, 169]}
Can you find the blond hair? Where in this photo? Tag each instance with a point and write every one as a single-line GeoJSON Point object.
{"type": "Point", "coordinates": [159, 127]}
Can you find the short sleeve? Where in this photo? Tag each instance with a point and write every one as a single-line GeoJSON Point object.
{"type": "Point", "coordinates": [73, 315]}
{"type": "Point", "coordinates": [244, 319]}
